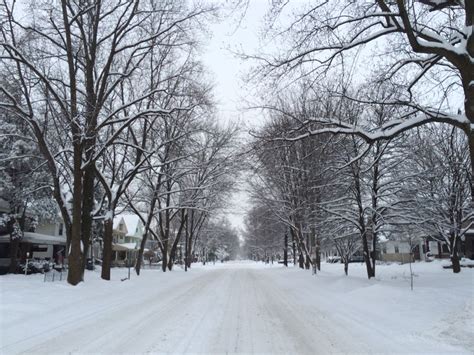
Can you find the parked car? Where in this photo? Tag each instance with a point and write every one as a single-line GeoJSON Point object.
{"type": "Point", "coordinates": [333, 259]}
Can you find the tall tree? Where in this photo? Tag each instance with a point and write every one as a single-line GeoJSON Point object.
{"type": "Point", "coordinates": [417, 46]}
{"type": "Point", "coordinates": [70, 60]}
{"type": "Point", "coordinates": [439, 187]}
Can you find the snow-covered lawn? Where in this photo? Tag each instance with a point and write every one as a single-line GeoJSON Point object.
{"type": "Point", "coordinates": [242, 308]}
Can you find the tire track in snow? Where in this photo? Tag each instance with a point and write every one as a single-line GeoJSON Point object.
{"type": "Point", "coordinates": [98, 331]}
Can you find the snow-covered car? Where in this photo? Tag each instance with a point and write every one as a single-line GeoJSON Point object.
{"type": "Point", "coordinates": [429, 257]}
{"type": "Point", "coordinates": [333, 259]}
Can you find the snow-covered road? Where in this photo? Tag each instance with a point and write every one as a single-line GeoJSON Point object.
{"type": "Point", "coordinates": [237, 309]}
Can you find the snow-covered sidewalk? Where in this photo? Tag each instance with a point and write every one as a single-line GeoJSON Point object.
{"type": "Point", "coordinates": [242, 308]}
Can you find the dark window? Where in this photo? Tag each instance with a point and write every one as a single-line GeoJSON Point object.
{"type": "Point", "coordinates": [445, 248]}
{"type": "Point", "coordinates": [61, 227]}
{"type": "Point", "coordinates": [40, 248]}
{"type": "Point", "coordinates": [4, 250]}
{"type": "Point", "coordinates": [396, 249]}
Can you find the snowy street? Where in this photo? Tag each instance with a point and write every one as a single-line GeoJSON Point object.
{"type": "Point", "coordinates": [214, 145]}
{"type": "Point", "coordinates": [241, 308]}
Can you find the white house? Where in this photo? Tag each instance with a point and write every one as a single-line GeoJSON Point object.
{"type": "Point", "coordinates": [47, 242]}
{"type": "Point", "coordinates": [128, 228]}
{"type": "Point", "coordinates": [127, 236]}
{"type": "Point", "coordinates": [402, 250]}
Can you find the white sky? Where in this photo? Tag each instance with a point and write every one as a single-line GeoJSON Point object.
{"type": "Point", "coordinates": [227, 72]}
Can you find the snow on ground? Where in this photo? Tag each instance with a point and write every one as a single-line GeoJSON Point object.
{"type": "Point", "coordinates": [242, 307]}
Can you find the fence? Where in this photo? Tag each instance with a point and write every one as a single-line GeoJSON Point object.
{"type": "Point", "coordinates": [55, 275]}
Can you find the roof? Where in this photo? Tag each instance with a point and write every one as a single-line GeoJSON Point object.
{"type": "Point", "coordinates": [37, 238]}
{"type": "Point", "coordinates": [131, 222]}
{"type": "Point", "coordinates": [124, 246]}
{"type": "Point", "coordinates": [4, 206]}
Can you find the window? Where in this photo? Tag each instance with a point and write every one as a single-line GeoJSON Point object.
{"type": "Point", "coordinates": [445, 248]}
{"type": "Point", "coordinates": [4, 250]}
{"type": "Point", "coordinates": [396, 249]}
{"type": "Point", "coordinates": [60, 230]}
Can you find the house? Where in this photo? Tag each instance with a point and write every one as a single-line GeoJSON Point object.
{"type": "Point", "coordinates": [437, 248]}
{"type": "Point", "coordinates": [46, 241]}
{"type": "Point", "coordinates": [467, 240]}
{"type": "Point", "coordinates": [468, 244]}
{"type": "Point", "coordinates": [127, 236]}
{"type": "Point", "coordinates": [398, 251]}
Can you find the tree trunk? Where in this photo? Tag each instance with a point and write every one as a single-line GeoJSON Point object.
{"type": "Point", "coordinates": [285, 251]}
{"type": "Point", "coordinates": [172, 256]}
{"type": "Point", "coordinates": [164, 262]}
{"type": "Point", "coordinates": [453, 242]}
{"type": "Point", "coordinates": [171, 259]}
{"type": "Point", "coordinates": [470, 135]}
{"type": "Point", "coordinates": [346, 266]}
{"type": "Point", "coordinates": [365, 248]}
{"type": "Point", "coordinates": [87, 207]}
{"type": "Point", "coordinates": [75, 273]}
{"type": "Point", "coordinates": [186, 247]}
{"type": "Point", "coordinates": [301, 261]}
{"type": "Point", "coordinates": [107, 252]}
{"type": "Point", "coordinates": [374, 253]}
{"type": "Point", "coordinates": [468, 80]}
{"type": "Point", "coordinates": [307, 256]}
{"type": "Point", "coordinates": [293, 245]}
{"type": "Point", "coordinates": [189, 252]}
{"type": "Point", "coordinates": [318, 254]}
{"type": "Point", "coordinates": [188, 240]}
{"type": "Point", "coordinates": [14, 246]}
{"type": "Point", "coordinates": [138, 263]}
{"type": "Point", "coordinates": [455, 262]}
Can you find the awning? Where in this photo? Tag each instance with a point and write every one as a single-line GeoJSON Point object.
{"type": "Point", "coordinates": [37, 238]}
{"type": "Point", "coordinates": [124, 247]}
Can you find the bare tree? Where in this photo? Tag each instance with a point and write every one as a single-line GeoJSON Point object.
{"type": "Point", "coordinates": [70, 61]}
{"type": "Point", "coordinates": [439, 187]}
{"type": "Point", "coordinates": [424, 46]}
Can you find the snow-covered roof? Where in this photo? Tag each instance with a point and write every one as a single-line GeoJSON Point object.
{"type": "Point", "coordinates": [37, 238]}
{"type": "Point", "coordinates": [124, 246]}
{"type": "Point", "coordinates": [131, 222]}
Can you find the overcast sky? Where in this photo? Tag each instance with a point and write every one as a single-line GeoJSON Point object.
{"type": "Point", "coordinates": [227, 70]}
